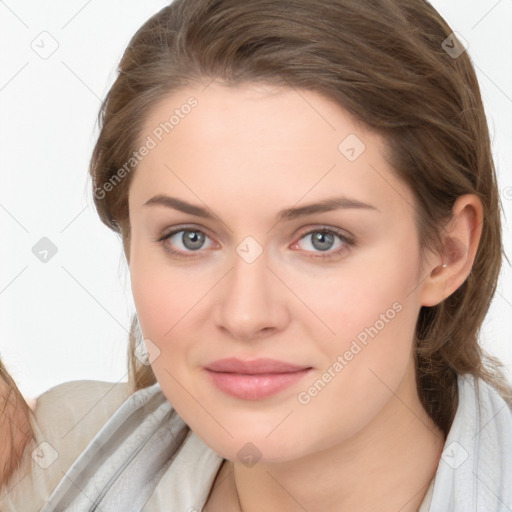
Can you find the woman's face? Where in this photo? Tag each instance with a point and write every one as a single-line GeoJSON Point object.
{"type": "Point", "coordinates": [266, 224]}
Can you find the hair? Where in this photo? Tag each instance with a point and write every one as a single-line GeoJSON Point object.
{"type": "Point", "coordinates": [383, 61]}
{"type": "Point", "coordinates": [15, 427]}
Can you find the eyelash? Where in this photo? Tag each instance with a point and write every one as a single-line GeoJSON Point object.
{"type": "Point", "coordinates": [347, 242]}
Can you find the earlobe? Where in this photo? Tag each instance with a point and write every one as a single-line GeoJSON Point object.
{"type": "Point", "coordinates": [460, 237]}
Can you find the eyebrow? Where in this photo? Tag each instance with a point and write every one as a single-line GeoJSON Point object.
{"type": "Point", "coordinates": [327, 205]}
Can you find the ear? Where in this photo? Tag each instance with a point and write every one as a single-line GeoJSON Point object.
{"type": "Point", "coordinates": [448, 270]}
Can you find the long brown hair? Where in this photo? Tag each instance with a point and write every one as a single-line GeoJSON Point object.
{"type": "Point", "coordinates": [15, 428]}
{"type": "Point", "coordinates": [388, 62]}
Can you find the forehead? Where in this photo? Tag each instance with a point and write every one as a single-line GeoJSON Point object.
{"type": "Point", "coordinates": [254, 140]}
{"type": "Point", "coordinates": [260, 117]}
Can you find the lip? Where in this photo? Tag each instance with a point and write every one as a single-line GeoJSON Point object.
{"type": "Point", "coordinates": [255, 379]}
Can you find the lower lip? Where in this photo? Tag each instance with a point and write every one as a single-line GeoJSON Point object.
{"type": "Point", "coordinates": [255, 387]}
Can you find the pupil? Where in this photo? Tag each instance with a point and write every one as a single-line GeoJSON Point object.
{"type": "Point", "coordinates": [323, 241]}
{"type": "Point", "coordinates": [192, 239]}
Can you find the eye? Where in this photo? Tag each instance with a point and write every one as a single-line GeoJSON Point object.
{"type": "Point", "coordinates": [326, 242]}
{"type": "Point", "coordinates": [181, 241]}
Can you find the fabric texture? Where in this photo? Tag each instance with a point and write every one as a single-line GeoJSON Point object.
{"type": "Point", "coordinates": [145, 458]}
{"type": "Point", "coordinates": [475, 470]}
{"type": "Point", "coordinates": [64, 421]}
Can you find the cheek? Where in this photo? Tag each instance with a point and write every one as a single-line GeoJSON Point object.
{"type": "Point", "coordinates": [174, 312]}
{"type": "Point", "coordinates": [157, 305]}
{"type": "Point", "coordinates": [164, 294]}
{"type": "Point", "coordinates": [372, 303]}
{"type": "Point", "coordinates": [165, 303]}
{"type": "Point", "coordinates": [365, 363]}
{"type": "Point", "coordinates": [370, 294]}
{"type": "Point", "coordinates": [372, 307]}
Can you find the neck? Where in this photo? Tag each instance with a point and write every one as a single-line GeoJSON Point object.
{"type": "Point", "coordinates": [387, 466]}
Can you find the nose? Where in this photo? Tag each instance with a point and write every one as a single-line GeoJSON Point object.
{"type": "Point", "coordinates": [252, 301]}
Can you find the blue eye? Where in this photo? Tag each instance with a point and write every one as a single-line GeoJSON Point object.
{"type": "Point", "coordinates": [185, 240]}
{"type": "Point", "coordinates": [319, 243]}
{"type": "Point", "coordinates": [192, 240]}
{"type": "Point", "coordinates": [325, 242]}
{"type": "Point", "coordinates": [321, 240]}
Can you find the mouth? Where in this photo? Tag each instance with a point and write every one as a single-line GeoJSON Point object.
{"type": "Point", "coordinates": [256, 379]}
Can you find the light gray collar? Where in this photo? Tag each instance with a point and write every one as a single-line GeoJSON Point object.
{"type": "Point", "coordinates": [123, 464]}
{"type": "Point", "coordinates": [475, 470]}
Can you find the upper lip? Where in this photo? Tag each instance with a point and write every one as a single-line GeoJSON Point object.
{"type": "Point", "coordinates": [255, 366]}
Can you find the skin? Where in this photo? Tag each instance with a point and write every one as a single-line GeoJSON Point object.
{"type": "Point", "coordinates": [245, 153]}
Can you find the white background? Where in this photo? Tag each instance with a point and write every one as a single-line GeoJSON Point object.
{"type": "Point", "coordinates": [68, 319]}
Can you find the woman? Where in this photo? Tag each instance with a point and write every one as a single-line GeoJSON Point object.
{"type": "Point", "coordinates": [307, 201]}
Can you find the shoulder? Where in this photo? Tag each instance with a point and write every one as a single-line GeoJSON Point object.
{"type": "Point", "coordinates": [489, 397]}
{"type": "Point", "coordinates": [65, 418]}
{"type": "Point", "coordinates": [478, 447]}
{"type": "Point", "coordinates": [78, 409]}
{"type": "Point", "coordinates": [483, 405]}
{"type": "Point", "coordinates": [68, 416]}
